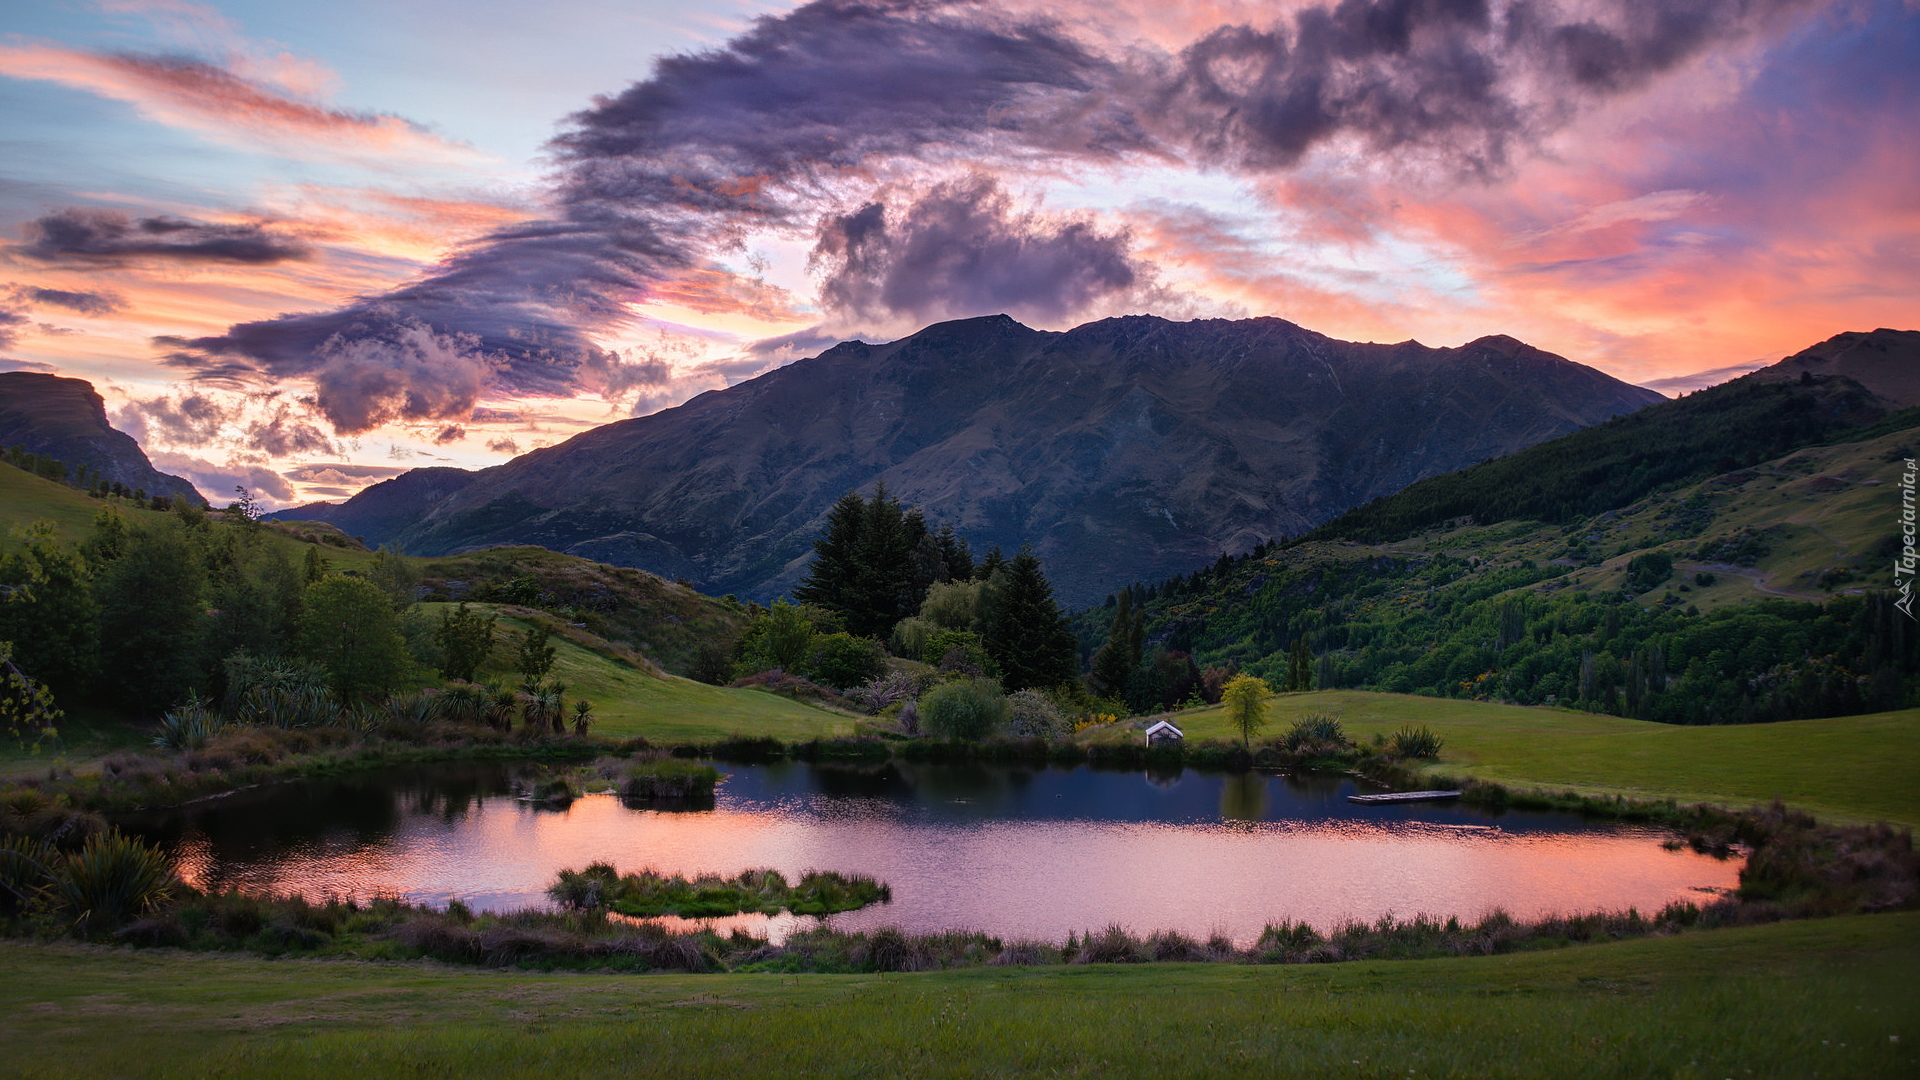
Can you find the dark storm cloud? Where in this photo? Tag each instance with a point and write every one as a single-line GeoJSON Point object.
{"type": "Point", "coordinates": [450, 434]}
{"type": "Point", "coordinates": [784, 120]}
{"type": "Point", "coordinates": [964, 249]}
{"type": "Point", "coordinates": [1465, 80]}
{"type": "Point", "coordinates": [109, 236]}
{"type": "Point", "coordinates": [10, 323]}
{"type": "Point", "coordinates": [83, 303]}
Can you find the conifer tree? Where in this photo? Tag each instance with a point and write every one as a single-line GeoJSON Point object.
{"type": "Point", "coordinates": [1115, 660]}
{"type": "Point", "coordinates": [1026, 633]}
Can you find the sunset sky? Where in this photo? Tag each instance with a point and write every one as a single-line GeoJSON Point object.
{"type": "Point", "coordinates": [303, 247]}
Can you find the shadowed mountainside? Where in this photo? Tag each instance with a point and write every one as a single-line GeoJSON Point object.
{"type": "Point", "coordinates": [66, 420]}
{"type": "Point", "coordinates": [1125, 449]}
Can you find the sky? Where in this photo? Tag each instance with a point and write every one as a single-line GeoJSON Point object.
{"type": "Point", "coordinates": [301, 248]}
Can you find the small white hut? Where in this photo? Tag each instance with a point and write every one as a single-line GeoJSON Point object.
{"type": "Point", "coordinates": [1164, 732]}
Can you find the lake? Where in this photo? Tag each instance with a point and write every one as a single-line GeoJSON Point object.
{"type": "Point", "coordinates": [1034, 852]}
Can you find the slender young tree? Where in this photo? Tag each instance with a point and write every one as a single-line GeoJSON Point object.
{"type": "Point", "coordinates": [1246, 699]}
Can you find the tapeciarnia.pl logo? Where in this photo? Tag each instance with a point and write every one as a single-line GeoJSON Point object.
{"type": "Point", "coordinates": [1903, 564]}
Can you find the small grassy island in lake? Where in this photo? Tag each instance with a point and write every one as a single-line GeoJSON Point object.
{"type": "Point", "coordinates": [766, 892]}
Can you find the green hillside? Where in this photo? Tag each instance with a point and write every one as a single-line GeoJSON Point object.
{"type": "Point", "coordinates": [26, 498]}
{"type": "Point", "coordinates": [1854, 768]}
{"type": "Point", "coordinates": [1758, 594]}
{"type": "Point", "coordinates": [633, 697]}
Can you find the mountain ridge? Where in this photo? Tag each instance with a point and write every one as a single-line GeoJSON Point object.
{"type": "Point", "coordinates": [1168, 443]}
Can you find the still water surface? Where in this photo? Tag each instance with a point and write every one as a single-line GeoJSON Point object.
{"type": "Point", "coordinates": [1017, 852]}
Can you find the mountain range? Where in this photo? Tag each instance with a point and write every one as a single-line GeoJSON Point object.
{"type": "Point", "coordinates": [1127, 449]}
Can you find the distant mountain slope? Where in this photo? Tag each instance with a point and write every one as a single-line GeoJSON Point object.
{"type": "Point", "coordinates": [65, 419]}
{"type": "Point", "coordinates": [1887, 362]}
{"type": "Point", "coordinates": [1735, 424]}
{"type": "Point", "coordinates": [382, 510]}
{"type": "Point", "coordinates": [1124, 449]}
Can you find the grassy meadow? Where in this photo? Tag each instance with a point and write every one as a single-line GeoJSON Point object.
{"type": "Point", "coordinates": [1853, 768]}
{"type": "Point", "coordinates": [1821, 998]}
{"type": "Point", "coordinates": [635, 698]}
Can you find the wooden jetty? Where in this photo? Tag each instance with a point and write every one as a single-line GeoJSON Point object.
{"type": "Point", "coordinates": [1405, 796]}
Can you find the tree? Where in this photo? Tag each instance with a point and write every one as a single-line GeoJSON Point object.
{"type": "Point", "coordinates": [153, 620]}
{"type": "Point", "coordinates": [536, 656]}
{"type": "Point", "coordinates": [108, 540]}
{"type": "Point", "coordinates": [782, 637]}
{"type": "Point", "coordinates": [1026, 634]}
{"type": "Point", "coordinates": [1299, 666]}
{"type": "Point", "coordinates": [314, 567]}
{"type": "Point", "coordinates": [1246, 700]}
{"type": "Point", "coordinates": [1162, 681]}
{"type": "Point", "coordinates": [254, 592]}
{"type": "Point", "coordinates": [347, 626]}
{"type": "Point", "coordinates": [27, 711]}
{"type": "Point", "coordinates": [843, 661]}
{"type": "Point", "coordinates": [875, 561]}
{"type": "Point", "coordinates": [49, 609]}
{"type": "Point", "coordinates": [829, 580]}
{"type": "Point", "coordinates": [395, 576]}
{"type": "Point", "coordinates": [1114, 663]}
{"type": "Point", "coordinates": [466, 640]}
{"type": "Point", "coordinates": [954, 550]}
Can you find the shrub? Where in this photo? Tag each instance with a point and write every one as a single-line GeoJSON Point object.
{"type": "Point", "coordinates": [669, 778]}
{"type": "Point", "coordinates": [26, 871]}
{"type": "Point", "coordinates": [1316, 731]}
{"type": "Point", "coordinates": [958, 651]}
{"type": "Point", "coordinates": [842, 660]}
{"type": "Point", "coordinates": [465, 703]}
{"type": "Point", "coordinates": [1032, 716]}
{"type": "Point", "coordinates": [111, 879]}
{"type": "Point", "coordinates": [189, 726]}
{"type": "Point", "coordinates": [887, 689]}
{"type": "Point", "coordinates": [1649, 570]}
{"type": "Point", "coordinates": [969, 709]}
{"type": "Point", "coordinates": [1414, 741]}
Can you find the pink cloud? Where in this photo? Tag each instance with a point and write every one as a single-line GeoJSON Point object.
{"type": "Point", "coordinates": [214, 99]}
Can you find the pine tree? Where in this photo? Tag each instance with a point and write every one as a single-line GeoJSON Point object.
{"type": "Point", "coordinates": [874, 562]}
{"type": "Point", "coordinates": [959, 558]}
{"type": "Point", "coordinates": [1114, 661]}
{"type": "Point", "coordinates": [829, 579]}
{"type": "Point", "coordinates": [1026, 633]}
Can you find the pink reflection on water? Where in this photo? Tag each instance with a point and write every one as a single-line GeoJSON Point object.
{"type": "Point", "coordinates": [1011, 878]}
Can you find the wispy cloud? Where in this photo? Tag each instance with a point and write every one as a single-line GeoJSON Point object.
{"type": "Point", "coordinates": [211, 98]}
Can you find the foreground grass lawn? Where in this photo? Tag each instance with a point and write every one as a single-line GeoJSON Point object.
{"type": "Point", "coordinates": [1856, 768]}
{"type": "Point", "coordinates": [1825, 998]}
